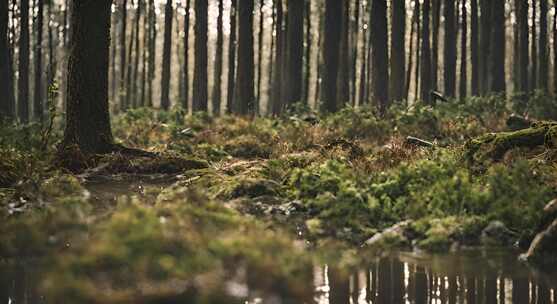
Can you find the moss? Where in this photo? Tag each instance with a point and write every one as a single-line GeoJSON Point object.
{"type": "Point", "coordinates": [247, 146]}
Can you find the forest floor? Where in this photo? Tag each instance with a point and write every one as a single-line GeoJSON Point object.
{"type": "Point", "coordinates": [349, 179]}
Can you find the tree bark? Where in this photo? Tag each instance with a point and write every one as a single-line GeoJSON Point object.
{"type": "Point", "coordinates": [87, 117]}
{"type": "Point", "coordinates": [534, 51]}
{"type": "Point", "coordinates": [426, 55]}
{"type": "Point", "coordinates": [144, 50]}
{"type": "Point", "coordinates": [123, 58]}
{"type": "Point", "coordinates": [450, 48]}
{"type": "Point", "coordinates": [474, 45]}
{"type": "Point", "coordinates": [522, 7]}
{"type": "Point", "coordinates": [343, 78]}
{"type": "Point", "coordinates": [166, 56]}
{"type": "Point", "coordinates": [380, 56]}
{"type": "Point", "coordinates": [331, 52]}
{"type": "Point", "coordinates": [398, 61]}
{"type": "Point", "coordinates": [276, 101]}
{"type": "Point", "coordinates": [23, 81]}
{"type": "Point", "coordinates": [6, 110]}
{"type": "Point", "coordinates": [232, 56]}
{"type": "Point", "coordinates": [152, 51]}
{"type": "Point", "coordinates": [295, 52]}
{"type": "Point", "coordinates": [308, 52]}
{"type": "Point", "coordinates": [544, 63]}
{"type": "Point", "coordinates": [463, 85]}
{"type": "Point", "coordinates": [413, 25]}
{"type": "Point", "coordinates": [436, 21]}
{"type": "Point", "coordinates": [362, 98]}
{"type": "Point", "coordinates": [38, 86]}
{"type": "Point", "coordinates": [244, 91]}
{"type": "Point", "coordinates": [186, 68]}
{"type": "Point", "coordinates": [217, 76]}
{"type": "Point", "coordinates": [486, 30]}
{"type": "Point", "coordinates": [497, 54]}
{"type": "Point", "coordinates": [135, 72]}
{"type": "Point", "coordinates": [271, 56]}
{"type": "Point", "coordinates": [200, 67]}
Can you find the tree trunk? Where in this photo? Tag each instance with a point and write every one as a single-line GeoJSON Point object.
{"type": "Point", "coordinates": [413, 25]}
{"type": "Point", "coordinates": [555, 53]}
{"type": "Point", "coordinates": [331, 51]}
{"type": "Point", "coordinates": [534, 51]}
{"type": "Point", "coordinates": [544, 62]}
{"type": "Point", "coordinates": [166, 56]}
{"type": "Point", "coordinates": [200, 66]}
{"type": "Point", "coordinates": [152, 51]}
{"type": "Point", "coordinates": [380, 56]}
{"type": "Point", "coordinates": [398, 30]}
{"type": "Point", "coordinates": [129, 69]}
{"type": "Point", "coordinates": [38, 92]}
{"type": "Point", "coordinates": [362, 98]}
{"type": "Point", "coordinates": [87, 116]}
{"type": "Point", "coordinates": [436, 20]}
{"type": "Point", "coordinates": [318, 60]}
{"type": "Point", "coordinates": [123, 58]}
{"type": "Point", "coordinates": [485, 49]}
{"type": "Point", "coordinates": [6, 110]}
{"type": "Point", "coordinates": [276, 101]}
{"type": "Point", "coordinates": [244, 103]}
{"type": "Point", "coordinates": [135, 71]}
{"type": "Point", "coordinates": [343, 80]}
{"type": "Point", "coordinates": [426, 55]}
{"type": "Point", "coordinates": [271, 62]}
{"type": "Point", "coordinates": [260, 55]}
{"type": "Point", "coordinates": [23, 81]}
{"type": "Point", "coordinates": [355, 39]}
{"type": "Point", "coordinates": [232, 56]}
{"type": "Point", "coordinates": [463, 85]}
{"type": "Point", "coordinates": [418, 49]}
{"type": "Point", "coordinates": [295, 45]}
{"type": "Point", "coordinates": [522, 7]}
{"type": "Point", "coordinates": [497, 54]}
{"type": "Point", "coordinates": [218, 63]}
{"type": "Point", "coordinates": [144, 50]}
{"type": "Point", "coordinates": [186, 68]}
{"type": "Point", "coordinates": [51, 70]}
{"type": "Point", "coordinates": [449, 47]}
{"type": "Point", "coordinates": [474, 44]}
{"type": "Point", "coordinates": [308, 51]}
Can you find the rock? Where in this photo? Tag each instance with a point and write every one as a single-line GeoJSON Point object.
{"type": "Point", "coordinates": [393, 236]}
{"type": "Point", "coordinates": [497, 234]}
{"type": "Point", "coordinates": [543, 250]}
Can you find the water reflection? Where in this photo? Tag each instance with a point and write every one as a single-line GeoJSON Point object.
{"type": "Point", "coordinates": [464, 278]}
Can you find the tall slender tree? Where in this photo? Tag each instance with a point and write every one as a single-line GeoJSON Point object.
{"type": "Point", "coordinates": [343, 77]}
{"type": "Point", "coordinates": [474, 48]}
{"type": "Point", "coordinates": [436, 21]}
{"type": "Point", "coordinates": [38, 92]}
{"type": "Point", "coordinates": [497, 54]}
{"type": "Point", "coordinates": [555, 52]}
{"type": "Point", "coordinates": [144, 58]}
{"type": "Point", "coordinates": [544, 62]}
{"type": "Point", "coordinates": [426, 54]}
{"type": "Point", "coordinates": [186, 68]}
{"type": "Point", "coordinates": [152, 52]}
{"type": "Point", "coordinates": [355, 40]}
{"type": "Point", "coordinates": [6, 110]}
{"type": "Point", "coordinates": [413, 25]}
{"type": "Point", "coordinates": [398, 61]}
{"type": "Point", "coordinates": [232, 56]}
{"type": "Point", "coordinates": [449, 47]}
{"type": "Point", "coordinates": [123, 57]}
{"type": "Point", "coordinates": [523, 40]}
{"type": "Point", "coordinates": [276, 101]}
{"type": "Point", "coordinates": [23, 81]}
{"type": "Point", "coordinates": [309, 42]}
{"type": "Point", "coordinates": [200, 66]}
{"type": "Point", "coordinates": [363, 65]}
{"type": "Point", "coordinates": [295, 52]}
{"type": "Point", "coordinates": [463, 85]}
{"type": "Point", "coordinates": [534, 52]}
{"type": "Point", "coordinates": [166, 56]}
{"type": "Point", "coordinates": [485, 39]}
{"type": "Point", "coordinates": [331, 51]}
{"type": "Point", "coordinates": [217, 75]}
{"type": "Point", "coordinates": [244, 103]}
{"type": "Point", "coordinates": [271, 57]}
{"type": "Point", "coordinates": [87, 116]}
{"type": "Point", "coordinates": [260, 54]}
{"type": "Point", "coordinates": [380, 56]}
{"type": "Point", "coordinates": [135, 71]}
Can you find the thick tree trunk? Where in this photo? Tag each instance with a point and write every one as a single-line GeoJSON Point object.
{"type": "Point", "coordinates": [217, 76]}
{"type": "Point", "coordinates": [426, 55]}
{"type": "Point", "coordinates": [244, 103]}
{"type": "Point", "coordinates": [87, 117]}
{"type": "Point", "coordinates": [6, 110]}
{"type": "Point", "coordinates": [38, 86]}
{"type": "Point", "coordinates": [23, 81]}
{"type": "Point", "coordinates": [398, 61]}
{"type": "Point", "coordinates": [380, 56]}
{"type": "Point", "coordinates": [200, 66]}
{"type": "Point", "coordinates": [276, 101]}
{"type": "Point", "coordinates": [474, 45]}
{"type": "Point", "coordinates": [544, 62]}
{"type": "Point", "coordinates": [232, 56]}
{"type": "Point", "coordinates": [450, 48]}
{"type": "Point", "coordinates": [497, 54]}
{"type": "Point", "coordinates": [331, 52]}
{"type": "Point", "coordinates": [166, 56]}
{"type": "Point", "coordinates": [463, 85]}
{"type": "Point", "coordinates": [295, 45]}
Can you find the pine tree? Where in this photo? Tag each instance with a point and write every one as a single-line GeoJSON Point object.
{"type": "Point", "coordinates": [218, 63]}
{"type": "Point", "coordinates": [6, 110]}
{"type": "Point", "coordinates": [497, 54]}
{"type": "Point", "coordinates": [244, 91]}
{"type": "Point", "coordinates": [426, 54]}
{"type": "Point", "coordinates": [463, 85]}
{"type": "Point", "coordinates": [200, 66]}
{"type": "Point", "coordinates": [544, 62]}
{"type": "Point", "coordinates": [398, 61]}
{"type": "Point", "coordinates": [331, 51]}
{"type": "Point", "coordinates": [23, 81]}
{"type": "Point", "coordinates": [295, 51]}
{"type": "Point", "coordinates": [449, 47]}
{"type": "Point", "coordinates": [380, 56]}
{"type": "Point", "coordinates": [38, 91]}
{"type": "Point", "coordinates": [166, 56]}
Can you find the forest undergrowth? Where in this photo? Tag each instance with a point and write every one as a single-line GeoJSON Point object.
{"type": "Point", "coordinates": [339, 178]}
